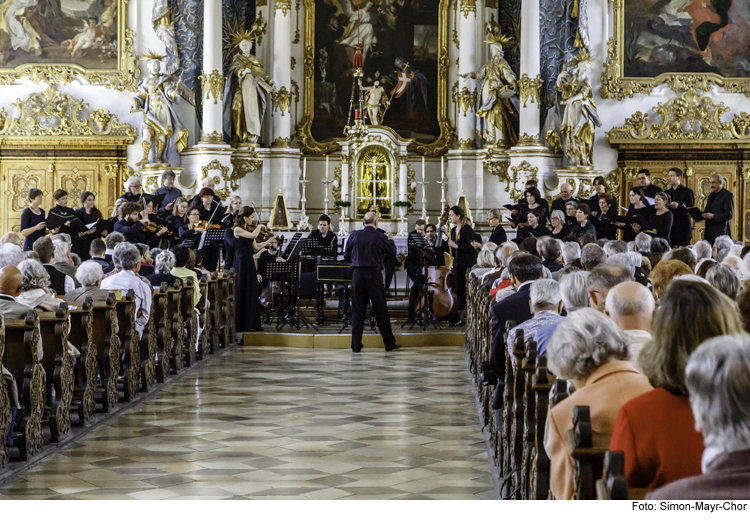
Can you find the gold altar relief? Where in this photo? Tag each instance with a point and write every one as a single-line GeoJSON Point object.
{"type": "Point", "coordinates": [374, 184]}
{"type": "Point", "coordinates": [51, 145]}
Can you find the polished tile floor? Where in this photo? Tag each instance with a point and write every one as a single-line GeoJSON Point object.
{"type": "Point", "coordinates": [268, 423]}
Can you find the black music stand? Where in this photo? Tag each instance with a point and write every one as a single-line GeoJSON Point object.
{"type": "Point", "coordinates": [279, 272]}
{"type": "Point", "coordinates": [213, 236]}
{"type": "Point", "coordinates": [424, 315]}
{"type": "Point", "coordinates": [293, 316]}
{"type": "Point", "coordinates": [291, 245]}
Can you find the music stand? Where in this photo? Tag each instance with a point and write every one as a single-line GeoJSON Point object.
{"type": "Point", "coordinates": [212, 236]}
{"type": "Point", "coordinates": [278, 273]}
{"type": "Point", "coordinates": [293, 315]}
{"type": "Point", "coordinates": [291, 245]}
{"type": "Point", "coordinates": [425, 315]}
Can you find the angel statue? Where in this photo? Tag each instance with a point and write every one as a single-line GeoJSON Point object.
{"type": "Point", "coordinates": [580, 118]}
{"type": "Point", "coordinates": [246, 90]}
{"type": "Point", "coordinates": [497, 98]}
{"type": "Point", "coordinates": [163, 134]}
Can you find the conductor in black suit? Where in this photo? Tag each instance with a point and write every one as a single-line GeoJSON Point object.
{"type": "Point", "coordinates": [719, 210]}
{"type": "Point", "coordinates": [366, 249]}
{"type": "Point", "coordinates": [524, 269]}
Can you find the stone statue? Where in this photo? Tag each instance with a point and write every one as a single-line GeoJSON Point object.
{"type": "Point", "coordinates": [373, 100]}
{"type": "Point", "coordinates": [163, 135]}
{"type": "Point", "coordinates": [580, 118]}
{"type": "Point", "coordinates": [497, 99]}
{"type": "Point", "coordinates": [245, 93]}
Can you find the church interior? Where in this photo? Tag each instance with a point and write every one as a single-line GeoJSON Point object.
{"type": "Point", "coordinates": [375, 249]}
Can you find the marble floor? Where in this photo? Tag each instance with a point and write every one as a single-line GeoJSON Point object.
{"type": "Point", "coordinates": [265, 423]}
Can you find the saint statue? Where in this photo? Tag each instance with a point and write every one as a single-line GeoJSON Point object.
{"type": "Point", "coordinates": [497, 99]}
{"type": "Point", "coordinates": [163, 135]}
{"type": "Point", "coordinates": [245, 92]}
{"type": "Point", "coordinates": [580, 118]}
{"type": "Point", "coordinates": [373, 100]}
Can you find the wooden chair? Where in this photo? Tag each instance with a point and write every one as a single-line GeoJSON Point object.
{"type": "Point", "coordinates": [105, 336]}
{"type": "Point", "coordinates": [148, 347]}
{"type": "Point", "coordinates": [587, 449]}
{"type": "Point", "coordinates": [81, 336]}
{"type": "Point", "coordinates": [613, 485]}
{"type": "Point", "coordinates": [130, 345]}
{"type": "Point", "coordinates": [20, 358]}
{"type": "Point", "coordinates": [191, 322]}
{"type": "Point", "coordinates": [58, 365]}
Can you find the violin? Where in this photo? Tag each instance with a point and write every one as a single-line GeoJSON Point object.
{"type": "Point", "coordinates": [153, 227]}
{"type": "Point", "coordinates": [204, 224]}
{"type": "Point", "coordinates": [264, 234]}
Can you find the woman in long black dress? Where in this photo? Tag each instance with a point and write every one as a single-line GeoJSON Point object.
{"type": "Point", "coordinates": [88, 214]}
{"type": "Point", "coordinates": [662, 220]}
{"type": "Point", "coordinates": [32, 220]}
{"type": "Point", "coordinates": [247, 292]}
{"type": "Point", "coordinates": [177, 219]}
{"type": "Point", "coordinates": [638, 207]}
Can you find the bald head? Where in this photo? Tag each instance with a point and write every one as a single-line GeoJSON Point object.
{"type": "Point", "coordinates": [10, 281]}
{"type": "Point", "coordinates": [371, 218]}
{"type": "Point", "coordinates": [631, 306]}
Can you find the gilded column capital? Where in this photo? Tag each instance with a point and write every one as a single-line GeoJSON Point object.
{"type": "Point", "coordinates": [529, 89]}
{"type": "Point", "coordinates": [281, 142]}
{"type": "Point", "coordinates": [213, 85]}
{"type": "Point", "coordinates": [285, 6]}
{"type": "Point", "coordinates": [467, 144]}
{"type": "Point", "coordinates": [468, 6]}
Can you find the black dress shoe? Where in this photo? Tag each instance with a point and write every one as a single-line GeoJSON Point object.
{"type": "Point", "coordinates": [460, 322]}
{"type": "Point", "coordinates": [356, 350]}
{"type": "Point", "coordinates": [394, 347]}
{"type": "Point", "coordinates": [389, 295]}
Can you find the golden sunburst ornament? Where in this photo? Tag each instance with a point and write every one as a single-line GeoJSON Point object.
{"type": "Point", "coordinates": [153, 55]}
{"type": "Point", "coordinates": [234, 33]}
{"type": "Point", "coordinates": [497, 37]}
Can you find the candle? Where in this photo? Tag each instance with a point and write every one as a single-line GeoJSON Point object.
{"type": "Point", "coordinates": [423, 173]}
{"type": "Point", "coordinates": [304, 168]}
{"type": "Point", "coordinates": [326, 169]}
{"type": "Point", "coordinates": [442, 168]}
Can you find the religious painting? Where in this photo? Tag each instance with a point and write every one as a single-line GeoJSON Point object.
{"type": "Point", "coordinates": [685, 43]}
{"type": "Point", "coordinates": [403, 45]}
{"type": "Point", "coordinates": [57, 40]}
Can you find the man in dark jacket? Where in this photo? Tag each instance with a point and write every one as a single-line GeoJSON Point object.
{"type": "Point", "coordinates": [680, 198]}
{"type": "Point", "coordinates": [719, 210]}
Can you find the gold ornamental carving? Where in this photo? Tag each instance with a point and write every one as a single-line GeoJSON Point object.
{"type": "Point", "coordinates": [467, 144]}
{"type": "Point", "coordinates": [615, 86]}
{"type": "Point", "coordinates": [309, 145]}
{"type": "Point", "coordinates": [51, 114]}
{"type": "Point", "coordinates": [525, 168]}
{"type": "Point", "coordinates": [281, 142]}
{"type": "Point", "coordinates": [216, 165]}
{"type": "Point", "coordinates": [213, 85]}
{"type": "Point", "coordinates": [467, 99]}
{"type": "Point", "coordinates": [528, 89]}
{"type": "Point", "coordinates": [281, 99]}
{"type": "Point", "coordinates": [345, 158]}
{"type": "Point", "coordinates": [212, 137]}
{"type": "Point", "coordinates": [122, 78]}
{"type": "Point", "coordinates": [242, 167]}
{"type": "Point", "coordinates": [411, 188]}
{"type": "Point", "coordinates": [689, 117]}
{"type": "Point", "coordinates": [336, 188]}
{"type": "Point", "coordinates": [283, 5]}
{"type": "Point", "coordinates": [294, 62]}
{"type": "Point", "coordinates": [468, 6]}
{"type": "Point", "coordinates": [496, 167]}
{"type": "Point", "coordinates": [490, 4]}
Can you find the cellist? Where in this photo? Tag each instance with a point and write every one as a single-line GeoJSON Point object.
{"type": "Point", "coordinates": [464, 256]}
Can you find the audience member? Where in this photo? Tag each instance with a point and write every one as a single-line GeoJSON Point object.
{"type": "Point", "coordinates": [34, 280]}
{"type": "Point", "coordinates": [62, 261]}
{"type": "Point", "coordinates": [701, 269]}
{"type": "Point", "coordinates": [602, 279]}
{"type": "Point", "coordinates": [10, 255]}
{"type": "Point", "coordinates": [664, 272]}
{"type": "Point", "coordinates": [546, 305]}
{"type": "Point", "coordinates": [61, 283]}
{"type": "Point", "coordinates": [660, 245]}
{"type": "Point", "coordinates": [631, 306]}
{"type": "Point", "coordinates": [550, 252]}
{"type": "Point", "coordinates": [643, 244]}
{"type": "Point", "coordinates": [97, 251]}
{"type": "Point", "coordinates": [615, 247]}
{"type": "Point", "coordinates": [718, 380]}
{"type": "Point", "coordinates": [130, 261]}
{"type": "Point", "coordinates": [574, 295]}
{"type": "Point", "coordinates": [588, 349]}
{"type": "Point", "coordinates": [656, 455]}
{"type": "Point", "coordinates": [623, 261]}
{"type": "Point", "coordinates": [12, 237]}
{"type": "Point", "coordinates": [743, 303]}
{"type": "Point", "coordinates": [183, 272]}
{"type": "Point", "coordinates": [724, 279]}
{"type": "Point", "coordinates": [683, 254]}
{"type": "Point", "coordinates": [702, 250]}
{"type": "Point", "coordinates": [591, 256]}
{"type": "Point", "coordinates": [165, 262]}
{"type": "Point", "coordinates": [111, 241]}
{"type": "Point", "coordinates": [91, 279]}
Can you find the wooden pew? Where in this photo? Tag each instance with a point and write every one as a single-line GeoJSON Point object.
{"type": "Point", "coordinates": [191, 323]}
{"type": "Point", "coordinates": [204, 315]}
{"type": "Point", "coordinates": [539, 472]}
{"type": "Point", "coordinates": [213, 313]}
{"type": "Point", "coordinates": [613, 485]}
{"type": "Point", "coordinates": [176, 327]}
{"type": "Point", "coordinates": [81, 336]}
{"type": "Point", "coordinates": [222, 300]}
{"type": "Point", "coordinates": [148, 347]}
{"type": "Point", "coordinates": [58, 365]}
{"type": "Point", "coordinates": [129, 345]}
{"type": "Point", "coordinates": [105, 336]}
{"type": "Point", "coordinates": [529, 421]}
{"type": "Point", "coordinates": [20, 358]}
{"type": "Point", "coordinates": [516, 440]}
{"type": "Point", "coordinates": [231, 292]}
{"type": "Point", "coordinates": [5, 402]}
{"type": "Point", "coordinates": [508, 398]}
{"type": "Point", "coordinates": [587, 449]}
{"type": "Point", "coordinates": [163, 326]}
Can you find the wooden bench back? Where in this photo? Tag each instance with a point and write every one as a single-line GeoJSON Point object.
{"type": "Point", "coordinates": [58, 365]}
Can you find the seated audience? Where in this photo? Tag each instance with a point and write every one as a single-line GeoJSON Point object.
{"type": "Point", "coordinates": [701, 269]}
{"type": "Point", "coordinates": [702, 250]}
{"type": "Point", "coordinates": [718, 380]}
{"type": "Point", "coordinates": [588, 349]}
{"type": "Point", "coordinates": [664, 272]}
{"type": "Point", "coordinates": [61, 283]}
{"type": "Point", "coordinates": [546, 305]}
{"type": "Point", "coordinates": [63, 262]}
{"type": "Point", "coordinates": [147, 264]}
{"type": "Point", "coordinates": [631, 306]}
{"type": "Point", "coordinates": [183, 272]}
{"type": "Point", "coordinates": [12, 237]}
{"type": "Point", "coordinates": [591, 256]}
{"type": "Point", "coordinates": [111, 241]}
{"type": "Point", "coordinates": [615, 247]}
{"type": "Point", "coordinates": [656, 455]}
{"type": "Point", "coordinates": [165, 262]}
{"type": "Point", "coordinates": [97, 251]}
{"type": "Point", "coordinates": [485, 263]}
{"type": "Point", "coordinates": [574, 295]}
{"type": "Point", "coordinates": [130, 261]}
{"type": "Point", "coordinates": [683, 254]}
{"type": "Point", "coordinates": [724, 279]}
{"type": "Point", "coordinates": [550, 252]}
{"type": "Point", "coordinates": [91, 279]}
{"type": "Point", "coordinates": [722, 246]}
{"type": "Point", "coordinates": [34, 280]}
{"type": "Point", "coordinates": [643, 244]}
{"type": "Point", "coordinates": [10, 255]}
{"type": "Point", "coordinates": [602, 279]}
{"type": "Point", "coordinates": [743, 303]}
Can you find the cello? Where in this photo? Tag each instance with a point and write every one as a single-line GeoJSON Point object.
{"type": "Point", "coordinates": [440, 281]}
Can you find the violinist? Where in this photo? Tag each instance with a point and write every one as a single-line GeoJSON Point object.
{"type": "Point", "coordinates": [325, 237]}
{"type": "Point", "coordinates": [247, 292]}
{"type": "Point", "coordinates": [212, 212]}
{"type": "Point", "coordinates": [235, 204]}
{"type": "Point", "coordinates": [230, 243]}
{"type": "Point", "coordinates": [464, 256]}
{"type": "Point", "coordinates": [177, 219]}
{"type": "Point", "coordinates": [132, 226]}
{"type": "Point", "coordinates": [170, 192]}
{"type": "Point", "coordinates": [191, 230]}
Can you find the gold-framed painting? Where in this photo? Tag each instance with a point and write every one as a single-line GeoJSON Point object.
{"type": "Point", "coordinates": [400, 40]}
{"type": "Point", "coordinates": [59, 41]}
{"type": "Point", "coordinates": [685, 44]}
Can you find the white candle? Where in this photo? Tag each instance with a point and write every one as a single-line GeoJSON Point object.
{"type": "Point", "coordinates": [326, 169]}
{"type": "Point", "coordinates": [423, 173]}
{"type": "Point", "coordinates": [442, 168]}
{"type": "Point", "coordinates": [304, 168]}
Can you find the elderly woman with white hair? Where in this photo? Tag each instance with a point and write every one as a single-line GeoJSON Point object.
{"type": "Point", "coordinates": [485, 263]}
{"type": "Point", "coordinates": [91, 279]}
{"type": "Point", "coordinates": [133, 189]}
{"type": "Point", "coordinates": [559, 228]}
{"type": "Point", "coordinates": [589, 350]}
{"type": "Point", "coordinates": [724, 279]}
{"type": "Point", "coordinates": [129, 259]}
{"type": "Point", "coordinates": [718, 380]}
{"type": "Point", "coordinates": [10, 255]}
{"type": "Point", "coordinates": [163, 270]}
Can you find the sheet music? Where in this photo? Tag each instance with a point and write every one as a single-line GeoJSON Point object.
{"type": "Point", "coordinates": [203, 240]}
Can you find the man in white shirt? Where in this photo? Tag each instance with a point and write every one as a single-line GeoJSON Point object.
{"type": "Point", "coordinates": [130, 259]}
{"type": "Point", "coordinates": [631, 306]}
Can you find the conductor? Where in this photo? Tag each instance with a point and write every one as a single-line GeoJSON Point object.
{"type": "Point", "coordinates": [366, 250]}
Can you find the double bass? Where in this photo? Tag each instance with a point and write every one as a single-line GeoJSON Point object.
{"type": "Point", "coordinates": [440, 281]}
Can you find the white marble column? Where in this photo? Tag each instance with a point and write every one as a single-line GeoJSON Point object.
{"type": "Point", "coordinates": [530, 68]}
{"type": "Point", "coordinates": [467, 58]}
{"type": "Point", "coordinates": [212, 77]}
{"type": "Point", "coordinates": [282, 74]}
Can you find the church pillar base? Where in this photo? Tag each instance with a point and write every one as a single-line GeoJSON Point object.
{"type": "Point", "coordinates": [579, 178]}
